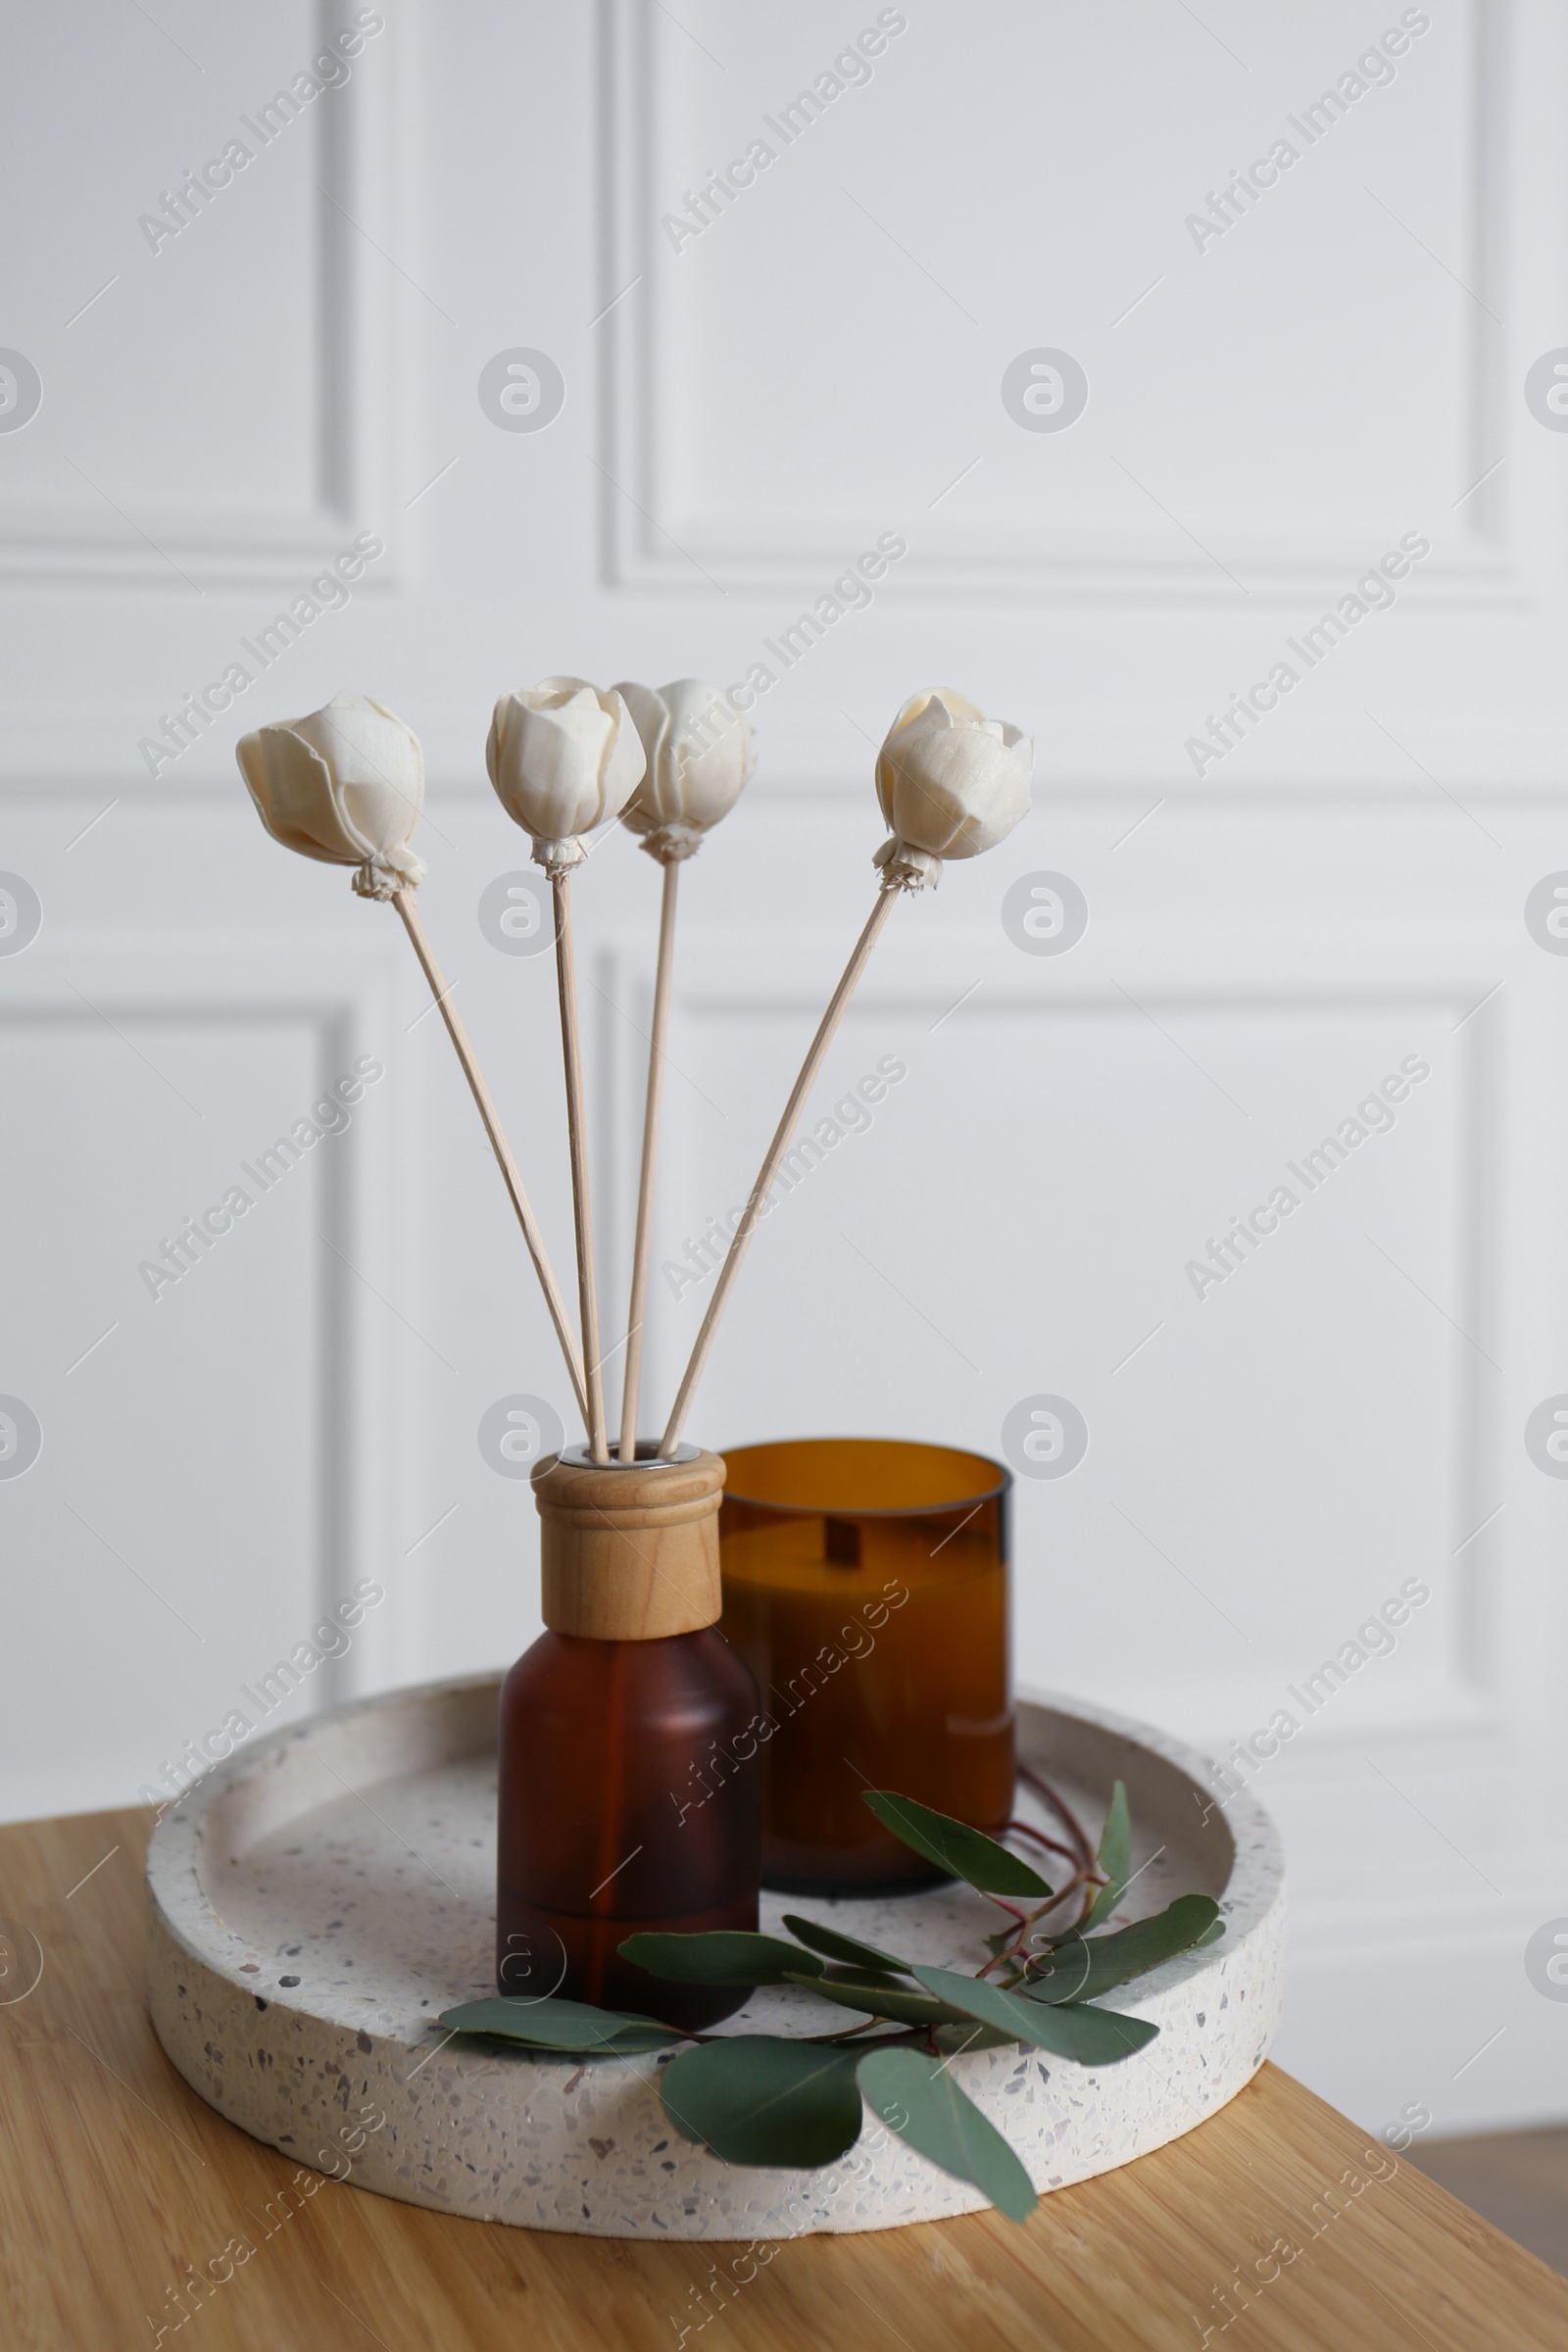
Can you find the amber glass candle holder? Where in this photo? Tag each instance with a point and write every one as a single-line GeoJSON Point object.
{"type": "Point", "coordinates": [865, 1584]}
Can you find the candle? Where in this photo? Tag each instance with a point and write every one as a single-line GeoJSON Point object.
{"type": "Point", "coordinates": [865, 1584]}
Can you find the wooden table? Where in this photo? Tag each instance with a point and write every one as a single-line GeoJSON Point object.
{"type": "Point", "coordinates": [118, 2186]}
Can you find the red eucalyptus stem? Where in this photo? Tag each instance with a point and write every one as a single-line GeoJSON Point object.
{"type": "Point", "coordinates": [1026, 1829]}
{"type": "Point", "coordinates": [1063, 1810]}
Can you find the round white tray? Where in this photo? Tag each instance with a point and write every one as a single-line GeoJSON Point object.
{"type": "Point", "coordinates": [322, 1896]}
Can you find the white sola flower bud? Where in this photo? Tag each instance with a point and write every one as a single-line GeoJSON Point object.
{"type": "Point", "coordinates": [564, 757]}
{"type": "Point", "coordinates": [700, 758]}
{"type": "Point", "coordinates": [952, 783]}
{"type": "Point", "coordinates": [346, 785]}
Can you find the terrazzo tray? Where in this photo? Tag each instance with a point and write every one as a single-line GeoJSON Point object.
{"type": "Point", "coordinates": [320, 1897]}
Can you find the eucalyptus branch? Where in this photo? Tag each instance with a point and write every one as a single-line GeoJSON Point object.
{"type": "Point", "coordinates": [792, 2099]}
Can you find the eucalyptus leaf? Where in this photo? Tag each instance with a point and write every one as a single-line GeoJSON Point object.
{"type": "Point", "coordinates": [917, 2097]}
{"type": "Point", "coordinates": [1116, 1857]}
{"type": "Point", "coordinates": [556, 2024]}
{"type": "Point", "coordinates": [880, 1996]}
{"type": "Point", "coordinates": [1071, 1972]}
{"type": "Point", "coordinates": [962, 1852]}
{"type": "Point", "coordinates": [1079, 1971]}
{"type": "Point", "coordinates": [755, 2098]}
{"type": "Point", "coordinates": [839, 1971]}
{"type": "Point", "coordinates": [969, 2035]}
{"type": "Point", "coordinates": [1094, 2036]}
{"type": "Point", "coordinates": [722, 1956]}
{"type": "Point", "coordinates": [835, 1946]}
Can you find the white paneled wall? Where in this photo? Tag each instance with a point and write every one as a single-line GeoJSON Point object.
{"type": "Point", "coordinates": [1277, 922]}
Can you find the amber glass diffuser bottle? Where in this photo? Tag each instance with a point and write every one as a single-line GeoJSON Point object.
{"type": "Point", "coordinates": [630, 1795]}
{"type": "Point", "coordinates": [865, 1584]}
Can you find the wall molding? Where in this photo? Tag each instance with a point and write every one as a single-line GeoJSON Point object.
{"type": "Point", "coordinates": [725, 980]}
{"type": "Point", "coordinates": [646, 547]}
{"type": "Point", "coordinates": [351, 398]}
{"type": "Point", "coordinates": [347, 1003]}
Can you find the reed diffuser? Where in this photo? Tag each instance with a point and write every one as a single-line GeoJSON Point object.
{"type": "Point", "coordinates": [602, 1718]}
{"type": "Point", "coordinates": [632, 1685]}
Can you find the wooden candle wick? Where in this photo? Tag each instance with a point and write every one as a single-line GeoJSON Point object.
{"type": "Point", "coordinates": [776, 1149]}
{"type": "Point", "coordinates": [403, 900]}
{"type": "Point", "coordinates": [576, 1132]}
{"type": "Point", "coordinates": [644, 1189]}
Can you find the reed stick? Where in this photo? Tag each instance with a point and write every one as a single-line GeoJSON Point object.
{"type": "Point", "coordinates": [776, 1149]}
{"type": "Point", "coordinates": [403, 900]}
{"type": "Point", "coordinates": [641, 1249]}
{"type": "Point", "coordinates": [576, 1134]}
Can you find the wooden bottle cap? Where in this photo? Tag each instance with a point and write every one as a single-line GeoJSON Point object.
{"type": "Point", "coordinates": [629, 1554]}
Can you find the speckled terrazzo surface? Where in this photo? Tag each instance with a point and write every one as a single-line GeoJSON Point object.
{"type": "Point", "coordinates": [321, 1898]}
